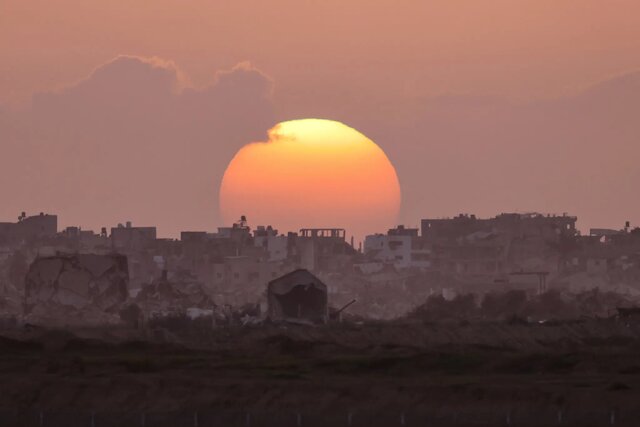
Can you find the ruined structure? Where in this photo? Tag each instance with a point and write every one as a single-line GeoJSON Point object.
{"type": "Point", "coordinates": [396, 271]}
{"type": "Point", "coordinates": [28, 228]}
{"type": "Point", "coordinates": [323, 249]}
{"type": "Point", "coordinates": [479, 251]}
{"type": "Point", "coordinates": [297, 297]}
{"type": "Point", "coordinates": [62, 287]}
{"type": "Point", "coordinates": [401, 247]}
{"type": "Point", "coordinates": [164, 296]}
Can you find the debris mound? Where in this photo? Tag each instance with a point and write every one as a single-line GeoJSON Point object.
{"type": "Point", "coordinates": [82, 288]}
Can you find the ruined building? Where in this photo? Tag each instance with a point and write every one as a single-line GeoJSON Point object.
{"type": "Point", "coordinates": [298, 296]}
{"type": "Point", "coordinates": [322, 249]}
{"type": "Point", "coordinates": [82, 287]}
{"type": "Point", "coordinates": [401, 247]}
{"type": "Point", "coordinates": [489, 251]}
{"type": "Point", "coordinates": [28, 228]}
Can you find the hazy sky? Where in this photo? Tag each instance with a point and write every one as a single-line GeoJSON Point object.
{"type": "Point", "coordinates": [483, 106]}
{"type": "Point", "coordinates": [395, 48]}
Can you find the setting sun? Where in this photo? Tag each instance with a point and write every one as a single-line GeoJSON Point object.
{"type": "Point", "coordinates": [312, 173]}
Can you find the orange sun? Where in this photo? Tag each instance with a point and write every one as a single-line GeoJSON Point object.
{"type": "Point", "coordinates": [312, 173]}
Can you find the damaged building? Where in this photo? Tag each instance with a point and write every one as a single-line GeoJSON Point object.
{"type": "Point", "coordinates": [298, 296]}
{"type": "Point", "coordinates": [28, 228]}
{"type": "Point", "coordinates": [401, 247]}
{"type": "Point", "coordinates": [232, 266]}
{"type": "Point", "coordinates": [82, 286]}
{"type": "Point", "coordinates": [476, 251]}
{"type": "Point", "coordinates": [322, 249]}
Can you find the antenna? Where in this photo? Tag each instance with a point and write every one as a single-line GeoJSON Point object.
{"type": "Point", "coordinates": [242, 222]}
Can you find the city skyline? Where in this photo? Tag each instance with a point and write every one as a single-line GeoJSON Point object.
{"type": "Point", "coordinates": [319, 213]}
{"type": "Point", "coordinates": [254, 227]}
{"type": "Point", "coordinates": [32, 139]}
{"type": "Point", "coordinates": [477, 109]}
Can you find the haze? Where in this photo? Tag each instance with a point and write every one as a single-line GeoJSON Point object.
{"type": "Point", "coordinates": [114, 111]}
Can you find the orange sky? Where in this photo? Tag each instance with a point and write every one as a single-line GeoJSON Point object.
{"type": "Point", "coordinates": [463, 96]}
{"type": "Point", "coordinates": [313, 174]}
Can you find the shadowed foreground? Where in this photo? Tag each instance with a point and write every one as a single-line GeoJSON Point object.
{"type": "Point", "coordinates": [572, 373]}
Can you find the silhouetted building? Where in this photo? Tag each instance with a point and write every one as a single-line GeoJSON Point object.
{"type": "Point", "coordinates": [549, 227]}
{"type": "Point", "coordinates": [275, 246]}
{"type": "Point", "coordinates": [28, 228]}
{"type": "Point", "coordinates": [125, 237]}
{"type": "Point", "coordinates": [323, 249]}
{"type": "Point", "coordinates": [298, 296]}
{"type": "Point", "coordinates": [476, 251]}
{"type": "Point", "coordinates": [401, 247]}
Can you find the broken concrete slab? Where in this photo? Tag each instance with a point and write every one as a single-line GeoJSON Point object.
{"type": "Point", "coordinates": [79, 283]}
{"type": "Point", "coordinates": [298, 297]}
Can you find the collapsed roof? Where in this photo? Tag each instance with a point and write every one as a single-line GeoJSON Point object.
{"type": "Point", "coordinates": [299, 297]}
{"type": "Point", "coordinates": [67, 285]}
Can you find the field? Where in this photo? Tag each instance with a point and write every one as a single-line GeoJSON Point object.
{"type": "Point", "coordinates": [588, 370]}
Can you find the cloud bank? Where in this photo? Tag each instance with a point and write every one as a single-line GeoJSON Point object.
{"type": "Point", "coordinates": [132, 141]}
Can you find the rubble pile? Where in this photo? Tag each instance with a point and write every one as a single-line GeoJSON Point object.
{"type": "Point", "coordinates": [86, 288]}
{"type": "Point", "coordinates": [163, 296]}
{"type": "Point", "coordinates": [517, 305]}
{"type": "Point", "coordinates": [298, 297]}
{"type": "Point", "coordinates": [10, 300]}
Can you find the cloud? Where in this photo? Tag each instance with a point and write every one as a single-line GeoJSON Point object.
{"type": "Point", "coordinates": [482, 155]}
{"type": "Point", "coordinates": [134, 141]}
{"type": "Point", "coordinates": [244, 78]}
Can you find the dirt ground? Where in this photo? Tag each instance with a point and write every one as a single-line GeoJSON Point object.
{"type": "Point", "coordinates": [571, 366]}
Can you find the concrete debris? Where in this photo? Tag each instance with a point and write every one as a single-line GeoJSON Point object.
{"type": "Point", "coordinates": [165, 296]}
{"type": "Point", "coordinates": [390, 275]}
{"type": "Point", "coordinates": [195, 312]}
{"type": "Point", "coordinates": [66, 287]}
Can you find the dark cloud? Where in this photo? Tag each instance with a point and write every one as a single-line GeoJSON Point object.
{"type": "Point", "coordinates": [132, 142]}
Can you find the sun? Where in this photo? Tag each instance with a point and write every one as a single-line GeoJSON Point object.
{"type": "Point", "coordinates": [312, 173]}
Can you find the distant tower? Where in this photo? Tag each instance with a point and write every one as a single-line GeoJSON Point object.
{"type": "Point", "coordinates": [242, 223]}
